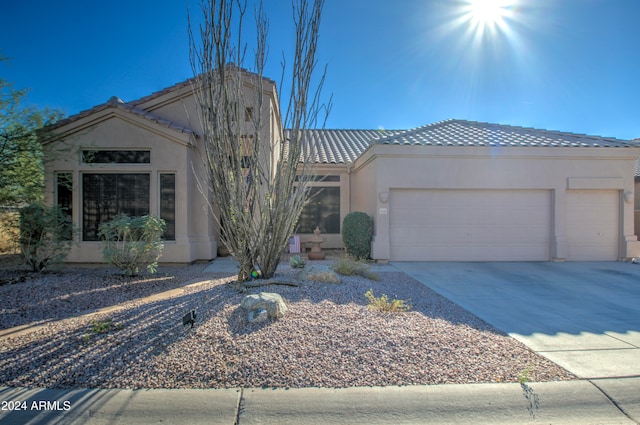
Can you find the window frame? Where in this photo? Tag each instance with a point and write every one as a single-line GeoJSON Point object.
{"type": "Point", "coordinates": [166, 236]}
{"type": "Point", "coordinates": [321, 182]}
{"type": "Point", "coordinates": [85, 156]}
{"type": "Point", "coordinates": [118, 199]}
{"type": "Point", "coordinates": [67, 208]}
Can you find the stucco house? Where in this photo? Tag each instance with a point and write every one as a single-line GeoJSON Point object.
{"type": "Point", "coordinates": [449, 191]}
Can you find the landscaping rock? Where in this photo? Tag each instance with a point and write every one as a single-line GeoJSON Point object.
{"type": "Point", "coordinates": [269, 301]}
{"type": "Point", "coordinates": [257, 316]}
{"type": "Point", "coordinates": [319, 273]}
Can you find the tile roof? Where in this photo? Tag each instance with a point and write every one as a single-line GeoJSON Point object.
{"type": "Point", "coordinates": [473, 133]}
{"type": "Point", "coordinates": [116, 102]}
{"type": "Point", "coordinates": [194, 80]}
{"type": "Point", "coordinates": [339, 146]}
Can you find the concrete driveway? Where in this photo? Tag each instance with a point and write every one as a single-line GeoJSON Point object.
{"type": "Point", "coordinates": [582, 316]}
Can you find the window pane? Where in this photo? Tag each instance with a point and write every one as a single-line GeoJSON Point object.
{"type": "Point", "coordinates": [116, 157]}
{"type": "Point", "coordinates": [323, 210]}
{"type": "Point", "coordinates": [106, 195]}
{"type": "Point", "coordinates": [168, 204]}
{"type": "Point", "coordinates": [64, 195]}
{"type": "Point", "coordinates": [64, 190]}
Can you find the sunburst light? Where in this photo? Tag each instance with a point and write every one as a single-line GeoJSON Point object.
{"type": "Point", "coordinates": [487, 14]}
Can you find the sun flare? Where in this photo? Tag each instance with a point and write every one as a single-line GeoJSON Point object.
{"type": "Point", "coordinates": [487, 12]}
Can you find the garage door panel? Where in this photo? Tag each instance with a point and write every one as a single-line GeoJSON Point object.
{"type": "Point", "coordinates": [593, 225]}
{"type": "Point", "coordinates": [473, 225]}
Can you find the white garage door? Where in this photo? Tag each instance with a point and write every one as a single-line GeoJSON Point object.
{"type": "Point", "coordinates": [470, 225]}
{"type": "Point", "coordinates": [592, 224]}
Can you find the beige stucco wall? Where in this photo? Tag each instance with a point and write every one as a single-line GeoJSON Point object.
{"type": "Point", "coordinates": [637, 207]}
{"type": "Point", "coordinates": [388, 167]}
{"type": "Point", "coordinates": [171, 152]}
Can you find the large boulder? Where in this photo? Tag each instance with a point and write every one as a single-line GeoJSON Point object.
{"type": "Point", "coordinates": [269, 301]}
{"type": "Point", "coordinates": [319, 273]}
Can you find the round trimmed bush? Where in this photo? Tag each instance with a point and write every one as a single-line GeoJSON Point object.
{"type": "Point", "coordinates": [357, 231]}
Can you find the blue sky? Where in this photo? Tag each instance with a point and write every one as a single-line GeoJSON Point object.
{"type": "Point", "coordinates": [569, 65]}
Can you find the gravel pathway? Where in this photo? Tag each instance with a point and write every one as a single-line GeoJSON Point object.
{"type": "Point", "coordinates": [329, 338]}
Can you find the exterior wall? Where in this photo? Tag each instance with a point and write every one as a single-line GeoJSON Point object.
{"type": "Point", "coordinates": [170, 153]}
{"type": "Point", "coordinates": [560, 170]}
{"type": "Point", "coordinates": [366, 198]}
{"type": "Point", "coordinates": [637, 206]}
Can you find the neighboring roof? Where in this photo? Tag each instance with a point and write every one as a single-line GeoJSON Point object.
{"type": "Point", "coordinates": [339, 146]}
{"type": "Point", "coordinates": [472, 133]}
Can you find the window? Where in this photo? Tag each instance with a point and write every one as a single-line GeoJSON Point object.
{"type": "Point", "coordinates": [64, 199]}
{"type": "Point", "coordinates": [322, 210]}
{"type": "Point", "coordinates": [116, 157]}
{"type": "Point", "coordinates": [168, 205]}
{"type": "Point", "coordinates": [106, 195]}
{"type": "Point", "coordinates": [64, 192]}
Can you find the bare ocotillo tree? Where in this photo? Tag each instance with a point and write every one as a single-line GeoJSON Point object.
{"type": "Point", "coordinates": [258, 183]}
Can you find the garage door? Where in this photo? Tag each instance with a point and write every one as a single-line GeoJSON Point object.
{"type": "Point", "coordinates": [592, 225]}
{"type": "Point", "coordinates": [470, 225]}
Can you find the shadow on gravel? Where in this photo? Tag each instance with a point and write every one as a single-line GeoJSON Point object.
{"type": "Point", "coordinates": [41, 297]}
{"type": "Point", "coordinates": [133, 347]}
{"type": "Point", "coordinates": [88, 353]}
{"type": "Point", "coordinates": [396, 285]}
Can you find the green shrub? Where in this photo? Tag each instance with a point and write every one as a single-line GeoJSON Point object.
{"type": "Point", "coordinates": [46, 235]}
{"type": "Point", "coordinates": [9, 232]}
{"type": "Point", "coordinates": [385, 305]}
{"type": "Point", "coordinates": [357, 231]}
{"type": "Point", "coordinates": [133, 243]}
{"type": "Point", "coordinates": [349, 267]}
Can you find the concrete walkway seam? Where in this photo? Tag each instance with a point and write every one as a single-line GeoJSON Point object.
{"type": "Point", "coordinates": [613, 401]}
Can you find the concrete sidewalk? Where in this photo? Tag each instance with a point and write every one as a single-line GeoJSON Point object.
{"type": "Point", "coordinates": [574, 402]}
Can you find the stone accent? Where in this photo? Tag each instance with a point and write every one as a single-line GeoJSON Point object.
{"type": "Point", "coordinates": [270, 302]}
{"type": "Point", "coordinates": [257, 316]}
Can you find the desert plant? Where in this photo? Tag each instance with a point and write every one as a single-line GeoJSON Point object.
{"type": "Point", "coordinates": [133, 243]}
{"type": "Point", "coordinates": [357, 231]}
{"type": "Point", "coordinates": [99, 327]}
{"type": "Point", "coordinates": [384, 304]}
{"type": "Point", "coordinates": [347, 266]}
{"type": "Point", "coordinates": [9, 232]}
{"type": "Point", "coordinates": [296, 262]}
{"type": "Point", "coordinates": [533, 400]}
{"type": "Point", "coordinates": [261, 188]}
{"type": "Point", "coordinates": [46, 235]}
{"type": "Point", "coordinates": [105, 326]}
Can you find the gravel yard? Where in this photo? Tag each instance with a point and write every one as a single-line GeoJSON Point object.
{"type": "Point", "coordinates": [328, 338]}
